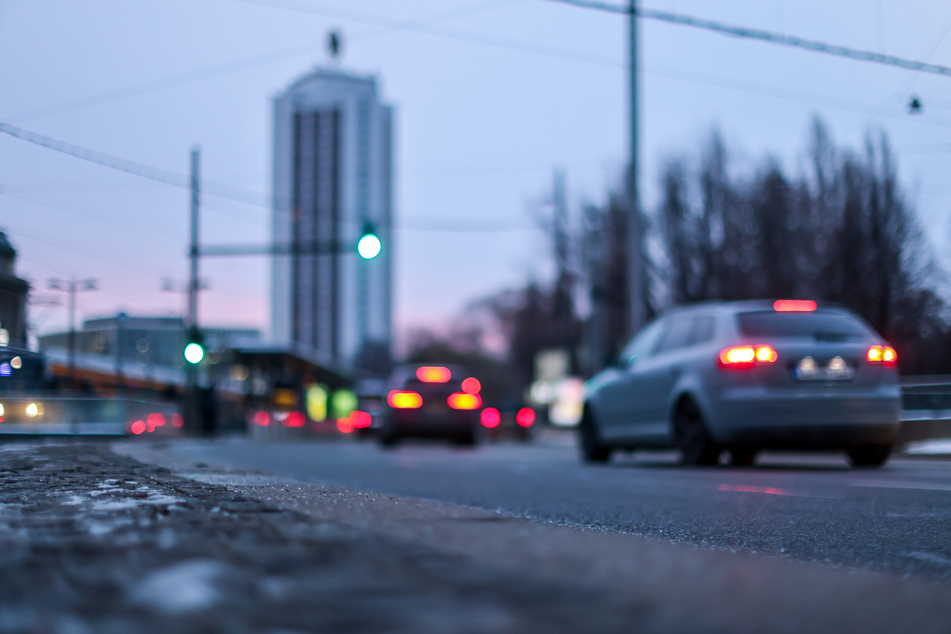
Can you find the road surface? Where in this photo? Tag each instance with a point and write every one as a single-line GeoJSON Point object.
{"type": "Point", "coordinates": [811, 508]}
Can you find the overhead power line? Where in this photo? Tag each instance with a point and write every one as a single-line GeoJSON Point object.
{"type": "Point", "coordinates": [132, 167]}
{"type": "Point", "coordinates": [766, 36]}
{"type": "Point", "coordinates": [180, 180]}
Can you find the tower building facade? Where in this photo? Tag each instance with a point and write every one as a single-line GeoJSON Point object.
{"type": "Point", "coordinates": [332, 177]}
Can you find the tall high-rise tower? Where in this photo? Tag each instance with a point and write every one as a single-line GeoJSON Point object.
{"type": "Point", "coordinates": [332, 175]}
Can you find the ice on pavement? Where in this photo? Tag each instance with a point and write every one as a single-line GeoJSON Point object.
{"type": "Point", "coordinates": [184, 587]}
{"type": "Point", "coordinates": [936, 446]}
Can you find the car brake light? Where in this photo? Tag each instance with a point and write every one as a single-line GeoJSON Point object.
{"type": "Point", "coordinates": [461, 400]}
{"type": "Point", "coordinates": [490, 417]}
{"type": "Point", "coordinates": [525, 417]}
{"type": "Point", "coordinates": [404, 400]}
{"type": "Point", "coordinates": [885, 355]}
{"type": "Point", "coordinates": [471, 386]}
{"type": "Point", "coordinates": [294, 419]}
{"type": "Point", "coordinates": [744, 357]}
{"type": "Point", "coordinates": [433, 374]}
{"type": "Point", "coordinates": [360, 420]}
{"type": "Point", "coordinates": [794, 306]}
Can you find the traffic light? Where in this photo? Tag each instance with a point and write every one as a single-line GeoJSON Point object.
{"type": "Point", "coordinates": [369, 245]}
{"type": "Point", "coordinates": [194, 347]}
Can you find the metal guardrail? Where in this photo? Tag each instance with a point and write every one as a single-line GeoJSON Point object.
{"type": "Point", "coordinates": [926, 396]}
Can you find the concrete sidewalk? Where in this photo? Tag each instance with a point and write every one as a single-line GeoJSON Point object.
{"type": "Point", "coordinates": [125, 538]}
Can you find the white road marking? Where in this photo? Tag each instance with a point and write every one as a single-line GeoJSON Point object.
{"type": "Point", "coordinates": [924, 486]}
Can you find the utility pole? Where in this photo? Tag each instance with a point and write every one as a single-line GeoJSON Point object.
{"type": "Point", "coordinates": [192, 405]}
{"type": "Point", "coordinates": [71, 287]}
{"type": "Point", "coordinates": [121, 320]}
{"type": "Point", "coordinates": [635, 264]}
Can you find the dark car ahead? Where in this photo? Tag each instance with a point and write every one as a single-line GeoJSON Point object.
{"type": "Point", "coordinates": [747, 376]}
{"type": "Point", "coordinates": [511, 419]}
{"type": "Point", "coordinates": [432, 401]}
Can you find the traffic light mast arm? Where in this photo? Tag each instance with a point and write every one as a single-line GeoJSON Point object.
{"type": "Point", "coordinates": [303, 248]}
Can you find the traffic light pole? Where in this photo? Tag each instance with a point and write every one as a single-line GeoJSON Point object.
{"type": "Point", "coordinates": [192, 405]}
{"type": "Point", "coordinates": [635, 262]}
{"type": "Point", "coordinates": [368, 247]}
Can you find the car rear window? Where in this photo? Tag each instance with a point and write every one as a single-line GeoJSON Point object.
{"type": "Point", "coordinates": [416, 385]}
{"type": "Point", "coordinates": [828, 325]}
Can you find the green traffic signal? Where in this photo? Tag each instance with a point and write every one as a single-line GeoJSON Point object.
{"type": "Point", "coordinates": [194, 353]}
{"type": "Point", "coordinates": [369, 245]}
{"type": "Point", "coordinates": [194, 348]}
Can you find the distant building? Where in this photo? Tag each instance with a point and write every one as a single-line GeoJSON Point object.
{"type": "Point", "coordinates": [13, 292]}
{"type": "Point", "coordinates": [142, 342]}
{"type": "Point", "coordinates": [332, 175]}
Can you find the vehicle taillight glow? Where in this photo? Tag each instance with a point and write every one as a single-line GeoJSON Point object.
{"type": "Point", "coordinates": [154, 420]}
{"type": "Point", "coordinates": [490, 417]}
{"type": "Point", "coordinates": [262, 418]}
{"type": "Point", "coordinates": [885, 355]}
{"type": "Point", "coordinates": [461, 400]}
{"type": "Point", "coordinates": [137, 427]}
{"type": "Point", "coordinates": [360, 420]}
{"type": "Point", "coordinates": [794, 306]}
{"type": "Point", "coordinates": [294, 419]}
{"type": "Point", "coordinates": [345, 425]}
{"type": "Point", "coordinates": [177, 420]}
{"type": "Point", "coordinates": [433, 374]}
{"type": "Point", "coordinates": [525, 417]}
{"type": "Point", "coordinates": [744, 357]}
{"type": "Point", "coordinates": [404, 400]}
{"type": "Point", "coordinates": [471, 386]}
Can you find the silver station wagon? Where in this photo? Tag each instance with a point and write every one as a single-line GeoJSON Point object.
{"type": "Point", "coordinates": [747, 376]}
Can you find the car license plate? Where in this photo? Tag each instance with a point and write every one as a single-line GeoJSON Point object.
{"type": "Point", "coordinates": [436, 407]}
{"type": "Point", "coordinates": [809, 370]}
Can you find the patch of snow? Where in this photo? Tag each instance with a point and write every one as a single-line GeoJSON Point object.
{"type": "Point", "coordinates": [929, 447]}
{"type": "Point", "coordinates": [184, 587]}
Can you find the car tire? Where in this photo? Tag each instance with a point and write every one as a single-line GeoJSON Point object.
{"type": "Point", "coordinates": [467, 439]}
{"type": "Point", "coordinates": [388, 441]}
{"type": "Point", "coordinates": [870, 455]}
{"type": "Point", "coordinates": [696, 446]}
{"type": "Point", "coordinates": [743, 457]}
{"type": "Point", "coordinates": [593, 450]}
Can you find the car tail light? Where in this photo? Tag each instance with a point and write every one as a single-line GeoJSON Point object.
{"type": "Point", "coordinates": [360, 420]}
{"type": "Point", "coordinates": [178, 421]}
{"type": "Point", "coordinates": [490, 417]}
{"type": "Point", "coordinates": [471, 386]}
{"type": "Point", "coordinates": [404, 400]}
{"type": "Point", "coordinates": [154, 420]}
{"type": "Point", "coordinates": [525, 417]}
{"type": "Point", "coordinates": [885, 355]}
{"type": "Point", "coordinates": [261, 418]}
{"type": "Point", "coordinates": [745, 357]}
{"type": "Point", "coordinates": [345, 425]}
{"type": "Point", "coordinates": [433, 374]}
{"type": "Point", "coordinates": [294, 419]}
{"type": "Point", "coordinates": [137, 427]}
{"type": "Point", "coordinates": [794, 306]}
{"type": "Point", "coordinates": [461, 400]}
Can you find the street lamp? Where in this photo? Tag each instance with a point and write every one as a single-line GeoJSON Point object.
{"type": "Point", "coordinates": [72, 286]}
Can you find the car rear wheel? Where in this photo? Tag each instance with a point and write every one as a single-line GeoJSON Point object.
{"type": "Point", "coordinates": [870, 455]}
{"type": "Point", "coordinates": [467, 439]}
{"type": "Point", "coordinates": [592, 449]}
{"type": "Point", "coordinates": [388, 439]}
{"type": "Point", "coordinates": [743, 457]}
{"type": "Point", "coordinates": [696, 446]}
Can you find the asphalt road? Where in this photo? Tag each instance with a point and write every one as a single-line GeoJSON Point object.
{"type": "Point", "coordinates": [804, 507]}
